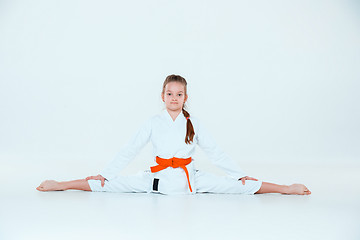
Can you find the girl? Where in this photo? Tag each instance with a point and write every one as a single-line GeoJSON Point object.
{"type": "Point", "coordinates": [174, 135]}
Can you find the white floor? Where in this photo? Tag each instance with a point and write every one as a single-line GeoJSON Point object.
{"type": "Point", "coordinates": [331, 212]}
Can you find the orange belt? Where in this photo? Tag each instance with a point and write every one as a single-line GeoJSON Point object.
{"type": "Point", "coordinates": [174, 163]}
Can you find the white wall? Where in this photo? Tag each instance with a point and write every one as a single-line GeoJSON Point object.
{"type": "Point", "coordinates": [274, 81]}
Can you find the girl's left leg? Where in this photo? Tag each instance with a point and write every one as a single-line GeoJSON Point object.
{"type": "Point", "coordinates": [51, 185]}
{"type": "Point", "coordinates": [299, 189]}
{"type": "Point", "coordinates": [209, 183]}
{"type": "Point", "coordinates": [206, 182]}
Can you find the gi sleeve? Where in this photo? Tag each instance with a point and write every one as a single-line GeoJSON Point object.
{"type": "Point", "coordinates": [217, 156]}
{"type": "Point", "coordinates": [128, 152]}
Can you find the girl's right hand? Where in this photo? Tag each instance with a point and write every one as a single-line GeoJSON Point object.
{"type": "Point", "coordinates": [98, 177]}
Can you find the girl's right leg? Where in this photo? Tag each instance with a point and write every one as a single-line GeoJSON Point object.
{"type": "Point", "coordinates": [141, 182]}
{"type": "Point", "coordinates": [51, 185]}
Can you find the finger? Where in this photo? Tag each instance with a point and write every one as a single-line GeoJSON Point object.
{"type": "Point", "coordinates": [243, 181]}
{"type": "Point", "coordinates": [102, 182]}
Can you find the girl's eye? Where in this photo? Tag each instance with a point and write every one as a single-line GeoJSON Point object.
{"type": "Point", "coordinates": [179, 94]}
{"type": "Point", "coordinates": [169, 93]}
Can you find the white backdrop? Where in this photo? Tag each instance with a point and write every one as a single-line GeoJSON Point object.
{"type": "Point", "coordinates": [274, 81]}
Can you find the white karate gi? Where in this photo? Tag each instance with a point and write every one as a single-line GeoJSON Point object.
{"type": "Point", "coordinates": [168, 140]}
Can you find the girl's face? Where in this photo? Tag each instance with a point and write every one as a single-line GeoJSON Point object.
{"type": "Point", "coordinates": [174, 96]}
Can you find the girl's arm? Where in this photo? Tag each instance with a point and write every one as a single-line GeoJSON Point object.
{"type": "Point", "coordinates": [128, 152]}
{"type": "Point", "coordinates": [216, 154]}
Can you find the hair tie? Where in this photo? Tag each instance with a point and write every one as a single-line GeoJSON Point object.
{"type": "Point", "coordinates": [187, 118]}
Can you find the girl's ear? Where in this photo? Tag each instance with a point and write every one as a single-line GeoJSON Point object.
{"type": "Point", "coordinates": [162, 97]}
{"type": "Point", "coordinates": [186, 97]}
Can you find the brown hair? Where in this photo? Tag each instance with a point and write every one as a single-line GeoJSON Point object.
{"type": "Point", "coordinates": [189, 127]}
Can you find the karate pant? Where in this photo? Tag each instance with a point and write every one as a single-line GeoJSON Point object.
{"type": "Point", "coordinates": [204, 183]}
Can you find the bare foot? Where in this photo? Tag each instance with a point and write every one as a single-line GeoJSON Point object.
{"type": "Point", "coordinates": [299, 189]}
{"type": "Point", "coordinates": [49, 185]}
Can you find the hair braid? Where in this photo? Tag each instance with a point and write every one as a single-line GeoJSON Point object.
{"type": "Point", "coordinates": [189, 127]}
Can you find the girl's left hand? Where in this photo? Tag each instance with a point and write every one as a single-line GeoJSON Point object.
{"type": "Point", "coordinates": [247, 178]}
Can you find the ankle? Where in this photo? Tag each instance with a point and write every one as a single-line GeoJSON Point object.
{"type": "Point", "coordinates": [286, 189]}
{"type": "Point", "coordinates": [62, 186]}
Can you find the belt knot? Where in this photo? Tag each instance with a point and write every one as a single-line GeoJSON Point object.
{"type": "Point", "coordinates": [174, 163]}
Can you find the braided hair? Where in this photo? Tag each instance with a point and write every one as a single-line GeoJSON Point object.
{"type": "Point", "coordinates": [189, 127]}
